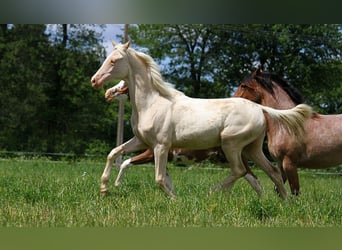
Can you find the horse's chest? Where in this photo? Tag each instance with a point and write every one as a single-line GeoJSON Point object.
{"type": "Point", "coordinates": [152, 129]}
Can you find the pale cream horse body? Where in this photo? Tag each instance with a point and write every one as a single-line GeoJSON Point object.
{"type": "Point", "coordinates": [162, 117]}
{"type": "Point", "coordinates": [120, 91]}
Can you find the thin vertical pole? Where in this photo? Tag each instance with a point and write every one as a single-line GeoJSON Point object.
{"type": "Point", "coordinates": [120, 128]}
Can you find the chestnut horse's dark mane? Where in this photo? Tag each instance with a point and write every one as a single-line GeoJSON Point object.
{"type": "Point", "coordinates": [266, 79]}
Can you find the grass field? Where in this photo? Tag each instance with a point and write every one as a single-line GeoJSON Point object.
{"type": "Point", "coordinates": [42, 193]}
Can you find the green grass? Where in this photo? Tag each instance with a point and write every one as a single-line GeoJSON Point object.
{"type": "Point", "coordinates": [41, 193]}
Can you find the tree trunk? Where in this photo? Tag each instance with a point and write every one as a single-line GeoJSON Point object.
{"type": "Point", "coordinates": [65, 35]}
{"type": "Point", "coordinates": [3, 28]}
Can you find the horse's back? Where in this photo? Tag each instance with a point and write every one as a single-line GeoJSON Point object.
{"type": "Point", "coordinates": [208, 121]}
{"type": "Point", "coordinates": [324, 141]}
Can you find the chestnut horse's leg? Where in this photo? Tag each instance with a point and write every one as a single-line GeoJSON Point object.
{"type": "Point", "coordinates": [283, 174]}
{"type": "Point", "coordinates": [132, 145]}
{"type": "Point", "coordinates": [145, 157]}
{"type": "Point", "coordinates": [292, 175]}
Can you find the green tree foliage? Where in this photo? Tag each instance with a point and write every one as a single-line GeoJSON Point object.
{"type": "Point", "coordinates": [23, 75]}
{"type": "Point", "coordinates": [47, 102]}
{"type": "Point", "coordinates": [210, 60]}
{"type": "Point", "coordinates": [187, 51]}
{"type": "Point", "coordinates": [75, 104]}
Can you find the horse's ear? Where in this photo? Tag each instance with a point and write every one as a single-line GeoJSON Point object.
{"type": "Point", "coordinates": [126, 45]}
{"type": "Point", "coordinates": [114, 43]}
{"type": "Point", "coordinates": [258, 71]}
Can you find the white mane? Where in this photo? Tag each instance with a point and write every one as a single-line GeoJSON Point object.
{"type": "Point", "coordinates": [164, 88]}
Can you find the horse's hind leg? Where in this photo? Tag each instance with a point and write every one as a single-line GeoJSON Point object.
{"type": "Point", "coordinates": [292, 175]}
{"type": "Point", "coordinates": [254, 152]}
{"type": "Point", "coordinates": [251, 177]}
{"type": "Point", "coordinates": [237, 168]}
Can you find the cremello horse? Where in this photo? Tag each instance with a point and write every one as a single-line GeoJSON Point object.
{"type": "Point", "coordinates": [163, 117]}
{"type": "Point", "coordinates": [178, 155]}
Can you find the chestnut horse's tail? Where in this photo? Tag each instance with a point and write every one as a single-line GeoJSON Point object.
{"type": "Point", "coordinates": [293, 120]}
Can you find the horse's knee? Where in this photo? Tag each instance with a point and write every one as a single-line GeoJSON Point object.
{"type": "Point", "coordinates": [115, 152]}
{"type": "Point", "coordinates": [110, 156]}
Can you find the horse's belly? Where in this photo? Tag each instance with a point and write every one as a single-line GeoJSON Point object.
{"type": "Point", "coordinates": [324, 144]}
{"type": "Point", "coordinates": [196, 138]}
{"type": "Point", "coordinates": [324, 158]}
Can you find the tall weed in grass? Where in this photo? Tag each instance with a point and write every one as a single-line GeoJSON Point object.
{"type": "Point", "coordinates": [41, 193]}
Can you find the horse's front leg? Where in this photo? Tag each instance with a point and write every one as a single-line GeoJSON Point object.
{"type": "Point", "coordinates": [132, 145]}
{"type": "Point", "coordinates": [162, 177]}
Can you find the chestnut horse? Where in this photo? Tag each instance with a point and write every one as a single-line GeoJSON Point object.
{"type": "Point", "coordinates": [322, 147]}
{"type": "Point", "coordinates": [177, 155]}
{"type": "Point", "coordinates": [163, 117]}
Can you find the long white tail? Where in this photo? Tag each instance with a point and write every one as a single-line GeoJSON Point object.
{"type": "Point", "coordinates": [293, 120]}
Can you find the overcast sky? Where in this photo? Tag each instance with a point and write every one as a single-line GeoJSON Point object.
{"type": "Point", "coordinates": [110, 33]}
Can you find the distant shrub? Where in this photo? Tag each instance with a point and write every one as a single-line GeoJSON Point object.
{"type": "Point", "coordinates": [97, 148]}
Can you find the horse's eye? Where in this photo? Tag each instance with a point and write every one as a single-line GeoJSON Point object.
{"type": "Point", "coordinates": [243, 86]}
{"type": "Point", "coordinates": [112, 62]}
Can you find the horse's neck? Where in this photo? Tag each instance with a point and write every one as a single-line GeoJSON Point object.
{"type": "Point", "coordinates": [280, 99]}
{"type": "Point", "coordinates": [142, 94]}
{"type": "Point", "coordinates": [139, 85]}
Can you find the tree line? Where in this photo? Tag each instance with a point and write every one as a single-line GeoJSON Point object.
{"type": "Point", "coordinates": [48, 105]}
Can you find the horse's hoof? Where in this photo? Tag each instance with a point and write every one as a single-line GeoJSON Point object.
{"type": "Point", "coordinates": [295, 192]}
{"type": "Point", "coordinates": [276, 190]}
{"type": "Point", "coordinates": [171, 194]}
{"type": "Point", "coordinates": [104, 192]}
{"type": "Point", "coordinates": [215, 188]}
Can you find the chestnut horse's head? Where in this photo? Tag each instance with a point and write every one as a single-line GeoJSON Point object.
{"type": "Point", "coordinates": [250, 88]}
{"type": "Point", "coordinates": [269, 89]}
{"type": "Point", "coordinates": [118, 91]}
